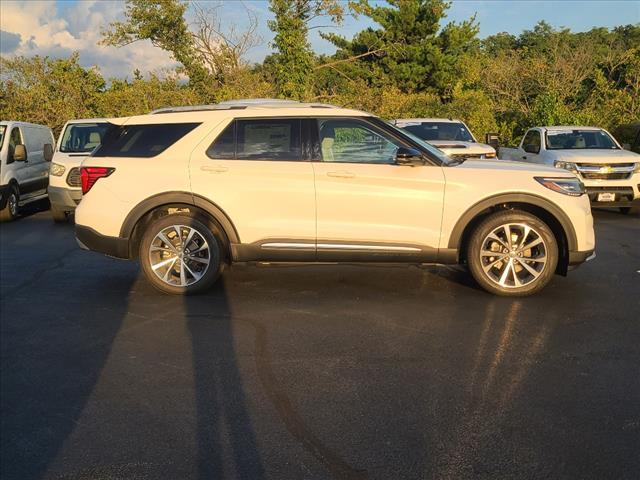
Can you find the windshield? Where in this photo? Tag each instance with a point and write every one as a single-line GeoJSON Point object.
{"type": "Point", "coordinates": [443, 157]}
{"type": "Point", "coordinates": [434, 131]}
{"type": "Point", "coordinates": [580, 140]}
{"type": "Point", "coordinates": [2, 130]}
{"type": "Point", "coordinates": [82, 137]}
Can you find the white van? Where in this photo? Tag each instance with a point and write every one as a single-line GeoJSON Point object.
{"type": "Point", "coordinates": [25, 152]}
{"type": "Point", "coordinates": [78, 139]}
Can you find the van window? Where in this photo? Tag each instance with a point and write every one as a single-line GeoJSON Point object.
{"type": "Point", "coordinates": [15, 138]}
{"type": "Point", "coordinates": [532, 138]}
{"type": "Point", "coordinates": [3, 128]}
{"type": "Point", "coordinates": [141, 140]}
{"type": "Point", "coordinates": [259, 139]}
{"type": "Point", "coordinates": [82, 137]}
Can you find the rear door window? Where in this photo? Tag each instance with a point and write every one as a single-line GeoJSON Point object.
{"type": "Point", "coordinates": [141, 140]}
{"type": "Point", "coordinates": [259, 139]}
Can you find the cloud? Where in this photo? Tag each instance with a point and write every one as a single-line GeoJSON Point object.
{"type": "Point", "coordinates": [57, 30]}
{"type": "Point", "coordinates": [8, 41]}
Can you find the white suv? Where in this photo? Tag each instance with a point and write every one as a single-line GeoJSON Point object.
{"type": "Point", "coordinates": [189, 189]}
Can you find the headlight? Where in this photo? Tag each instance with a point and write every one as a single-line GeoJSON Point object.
{"type": "Point", "coordinates": [567, 186]}
{"type": "Point", "coordinates": [566, 165]}
{"type": "Point", "coordinates": [490, 155]}
{"type": "Point", "coordinates": [57, 170]}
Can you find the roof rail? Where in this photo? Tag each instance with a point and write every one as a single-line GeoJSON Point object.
{"type": "Point", "coordinates": [242, 104]}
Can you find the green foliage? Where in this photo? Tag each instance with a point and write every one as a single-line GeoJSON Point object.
{"type": "Point", "coordinates": [409, 50]}
{"type": "Point", "coordinates": [291, 65]}
{"type": "Point", "coordinates": [163, 23]}
{"type": "Point", "coordinates": [408, 65]}
{"type": "Point", "coordinates": [46, 91]}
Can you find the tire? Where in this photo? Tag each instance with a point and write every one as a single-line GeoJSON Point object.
{"type": "Point", "coordinates": [10, 210]}
{"type": "Point", "coordinates": [205, 243]}
{"type": "Point", "coordinates": [528, 270]}
{"type": "Point", "coordinates": [58, 215]}
{"type": "Point", "coordinates": [625, 210]}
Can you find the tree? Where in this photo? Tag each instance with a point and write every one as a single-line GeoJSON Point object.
{"type": "Point", "coordinates": [293, 61]}
{"type": "Point", "coordinates": [409, 50]}
{"type": "Point", "coordinates": [161, 22]}
{"type": "Point", "coordinates": [47, 91]}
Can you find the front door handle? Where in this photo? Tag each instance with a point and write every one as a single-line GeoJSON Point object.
{"type": "Point", "coordinates": [214, 168]}
{"type": "Point", "coordinates": [341, 174]}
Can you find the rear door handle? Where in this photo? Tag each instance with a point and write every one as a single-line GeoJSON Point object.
{"type": "Point", "coordinates": [214, 168]}
{"type": "Point", "coordinates": [341, 174]}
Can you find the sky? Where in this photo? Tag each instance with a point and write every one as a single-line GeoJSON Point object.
{"type": "Point", "coordinates": [59, 27]}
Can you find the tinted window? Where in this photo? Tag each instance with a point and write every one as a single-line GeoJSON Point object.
{"type": "Point", "coordinates": [141, 140]}
{"type": "Point", "coordinates": [2, 130]}
{"type": "Point", "coordinates": [438, 131]}
{"type": "Point", "coordinates": [264, 139]}
{"type": "Point", "coordinates": [82, 137]}
{"type": "Point", "coordinates": [224, 147]}
{"type": "Point", "coordinates": [354, 141]}
{"type": "Point", "coordinates": [268, 139]}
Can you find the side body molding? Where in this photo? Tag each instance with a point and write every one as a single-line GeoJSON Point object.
{"type": "Point", "coordinates": [174, 198]}
{"type": "Point", "coordinates": [525, 198]}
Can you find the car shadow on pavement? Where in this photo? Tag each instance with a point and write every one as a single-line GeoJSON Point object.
{"type": "Point", "coordinates": [225, 437]}
{"type": "Point", "coordinates": [56, 335]}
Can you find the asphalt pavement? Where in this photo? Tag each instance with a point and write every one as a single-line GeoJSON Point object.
{"type": "Point", "coordinates": [315, 372]}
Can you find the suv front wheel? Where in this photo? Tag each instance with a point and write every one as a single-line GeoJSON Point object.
{"type": "Point", "coordinates": [180, 254]}
{"type": "Point", "coordinates": [512, 253]}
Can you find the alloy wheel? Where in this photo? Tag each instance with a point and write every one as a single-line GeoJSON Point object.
{"type": "Point", "coordinates": [179, 255]}
{"type": "Point", "coordinates": [513, 255]}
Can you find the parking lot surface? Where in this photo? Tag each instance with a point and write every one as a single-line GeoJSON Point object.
{"type": "Point", "coordinates": [346, 372]}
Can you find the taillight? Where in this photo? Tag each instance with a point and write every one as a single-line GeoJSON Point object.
{"type": "Point", "coordinates": [90, 175]}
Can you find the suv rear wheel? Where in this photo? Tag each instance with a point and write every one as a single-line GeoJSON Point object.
{"type": "Point", "coordinates": [180, 254]}
{"type": "Point", "coordinates": [512, 253]}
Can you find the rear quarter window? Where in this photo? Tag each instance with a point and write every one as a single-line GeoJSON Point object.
{"type": "Point", "coordinates": [142, 141]}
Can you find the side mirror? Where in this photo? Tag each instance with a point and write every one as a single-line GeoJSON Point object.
{"type": "Point", "coordinates": [532, 148]}
{"type": "Point", "coordinates": [20, 153]}
{"type": "Point", "coordinates": [409, 156]}
{"type": "Point", "coordinates": [493, 140]}
{"type": "Point", "coordinates": [47, 152]}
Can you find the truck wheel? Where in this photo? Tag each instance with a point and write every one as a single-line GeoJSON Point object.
{"type": "Point", "coordinates": [625, 210]}
{"type": "Point", "coordinates": [512, 253]}
{"type": "Point", "coordinates": [181, 254]}
{"type": "Point", "coordinates": [10, 210]}
{"type": "Point", "coordinates": [58, 215]}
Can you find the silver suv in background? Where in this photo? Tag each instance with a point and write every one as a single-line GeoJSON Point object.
{"type": "Point", "coordinates": [78, 139]}
{"type": "Point", "coordinates": [451, 136]}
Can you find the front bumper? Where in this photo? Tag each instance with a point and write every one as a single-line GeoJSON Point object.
{"type": "Point", "coordinates": [89, 239]}
{"type": "Point", "coordinates": [64, 198]}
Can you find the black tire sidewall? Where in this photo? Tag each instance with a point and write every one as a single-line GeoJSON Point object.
{"type": "Point", "coordinates": [206, 229]}
{"type": "Point", "coordinates": [7, 215]}
{"type": "Point", "coordinates": [500, 218]}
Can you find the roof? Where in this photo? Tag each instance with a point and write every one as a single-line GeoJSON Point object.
{"type": "Point", "coordinates": [570, 127]}
{"type": "Point", "coordinates": [88, 120]}
{"type": "Point", "coordinates": [424, 120]}
{"type": "Point", "coordinates": [242, 104]}
{"type": "Point", "coordinates": [18, 122]}
{"type": "Point", "coordinates": [238, 109]}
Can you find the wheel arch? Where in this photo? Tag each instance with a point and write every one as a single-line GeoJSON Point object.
{"type": "Point", "coordinates": [158, 205]}
{"type": "Point", "coordinates": [544, 209]}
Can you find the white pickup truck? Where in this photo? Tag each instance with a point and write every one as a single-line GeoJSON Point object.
{"type": "Point", "coordinates": [610, 174]}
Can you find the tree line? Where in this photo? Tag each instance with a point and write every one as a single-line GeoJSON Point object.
{"type": "Point", "coordinates": [410, 64]}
